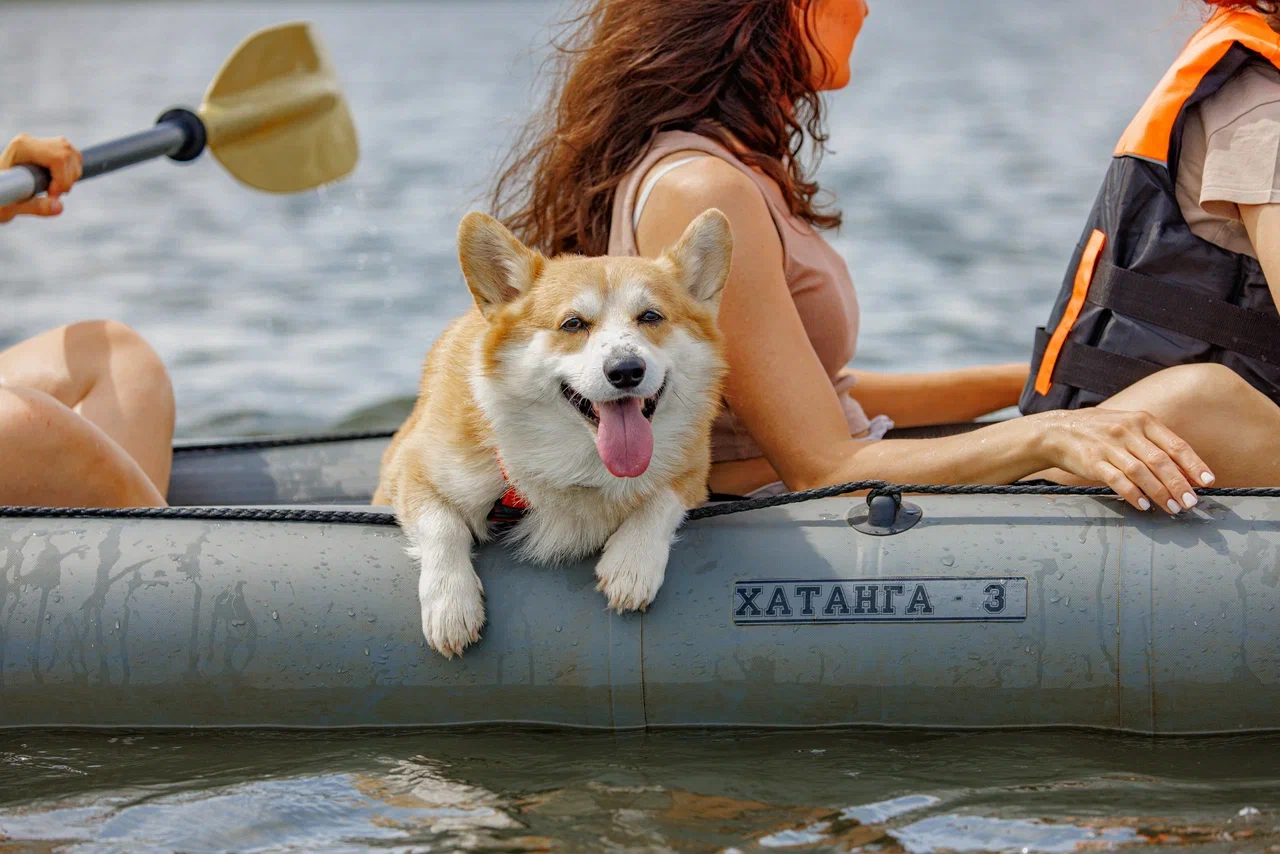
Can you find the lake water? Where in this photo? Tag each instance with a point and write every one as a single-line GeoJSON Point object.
{"type": "Point", "coordinates": [966, 156]}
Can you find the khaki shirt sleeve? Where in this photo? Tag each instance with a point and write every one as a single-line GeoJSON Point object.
{"type": "Point", "coordinates": [1242, 160]}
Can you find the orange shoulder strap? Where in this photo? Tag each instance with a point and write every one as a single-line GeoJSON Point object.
{"type": "Point", "coordinates": [1149, 134]}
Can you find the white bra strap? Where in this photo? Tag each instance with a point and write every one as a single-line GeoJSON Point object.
{"type": "Point", "coordinates": [654, 177]}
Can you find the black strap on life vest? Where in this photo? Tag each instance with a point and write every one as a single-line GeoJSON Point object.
{"type": "Point", "coordinates": [1251, 334]}
{"type": "Point", "coordinates": [1098, 371]}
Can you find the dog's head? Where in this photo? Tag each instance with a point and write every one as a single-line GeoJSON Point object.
{"type": "Point", "coordinates": [599, 360]}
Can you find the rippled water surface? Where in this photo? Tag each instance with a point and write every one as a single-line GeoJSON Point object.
{"type": "Point", "coordinates": [671, 791]}
{"type": "Point", "coordinates": [965, 156]}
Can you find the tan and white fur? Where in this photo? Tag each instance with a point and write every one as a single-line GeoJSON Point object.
{"type": "Point", "coordinates": [550, 374]}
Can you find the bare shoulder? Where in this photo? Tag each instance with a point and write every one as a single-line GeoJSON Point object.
{"type": "Point", "coordinates": [709, 181]}
{"type": "Point", "coordinates": [682, 194]}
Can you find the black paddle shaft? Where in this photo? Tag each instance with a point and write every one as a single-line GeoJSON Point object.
{"type": "Point", "coordinates": [178, 134]}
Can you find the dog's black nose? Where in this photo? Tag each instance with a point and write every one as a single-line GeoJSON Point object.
{"type": "Point", "coordinates": [627, 372]}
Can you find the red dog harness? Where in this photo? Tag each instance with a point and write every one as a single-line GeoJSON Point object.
{"type": "Point", "coordinates": [511, 507]}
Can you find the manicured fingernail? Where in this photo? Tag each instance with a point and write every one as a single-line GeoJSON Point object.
{"type": "Point", "coordinates": [1189, 500]}
{"type": "Point", "coordinates": [1207, 478]}
{"type": "Point", "coordinates": [1144, 504]}
{"type": "Point", "coordinates": [1173, 507]}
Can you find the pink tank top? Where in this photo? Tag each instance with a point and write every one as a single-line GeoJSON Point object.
{"type": "Point", "coordinates": [816, 275]}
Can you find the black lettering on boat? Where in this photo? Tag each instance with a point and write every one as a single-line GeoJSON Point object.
{"type": "Point", "coordinates": [807, 592]}
{"type": "Point", "coordinates": [778, 604]}
{"type": "Point", "coordinates": [922, 599]}
{"type": "Point", "coordinates": [864, 599]}
{"type": "Point", "coordinates": [748, 606]}
{"type": "Point", "coordinates": [837, 596]}
{"type": "Point", "coordinates": [995, 598]}
{"type": "Point", "coordinates": [889, 590]}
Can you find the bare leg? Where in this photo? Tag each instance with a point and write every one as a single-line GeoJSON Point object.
{"type": "Point", "coordinates": [52, 457]}
{"type": "Point", "coordinates": [1232, 426]}
{"type": "Point", "coordinates": [104, 372]}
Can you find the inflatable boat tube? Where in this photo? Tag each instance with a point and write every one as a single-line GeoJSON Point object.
{"type": "Point", "coordinates": [991, 611]}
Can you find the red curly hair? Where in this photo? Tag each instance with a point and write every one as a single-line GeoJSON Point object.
{"type": "Point", "coordinates": [735, 71]}
{"type": "Point", "coordinates": [1265, 7]}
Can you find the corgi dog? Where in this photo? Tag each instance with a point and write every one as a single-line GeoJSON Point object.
{"type": "Point", "coordinates": [584, 387]}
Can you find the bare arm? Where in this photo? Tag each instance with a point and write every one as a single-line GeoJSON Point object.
{"type": "Point", "coordinates": [1263, 224]}
{"type": "Point", "coordinates": [914, 400]}
{"type": "Point", "coordinates": [780, 391]}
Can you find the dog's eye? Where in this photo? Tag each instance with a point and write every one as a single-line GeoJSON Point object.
{"type": "Point", "coordinates": [573, 324]}
{"type": "Point", "coordinates": [649, 316]}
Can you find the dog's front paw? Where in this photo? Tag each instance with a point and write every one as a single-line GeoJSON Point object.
{"type": "Point", "coordinates": [630, 578]}
{"type": "Point", "coordinates": [452, 611]}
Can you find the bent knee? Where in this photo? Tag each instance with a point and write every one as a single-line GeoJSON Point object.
{"type": "Point", "coordinates": [1182, 396]}
{"type": "Point", "coordinates": [115, 338]}
{"type": "Point", "coordinates": [1202, 384]}
{"type": "Point", "coordinates": [23, 410]}
{"type": "Point", "coordinates": [121, 346]}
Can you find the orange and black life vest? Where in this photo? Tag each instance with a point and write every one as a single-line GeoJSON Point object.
{"type": "Point", "coordinates": [1142, 292]}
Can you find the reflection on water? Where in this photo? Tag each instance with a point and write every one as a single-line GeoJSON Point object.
{"type": "Point", "coordinates": [535, 790]}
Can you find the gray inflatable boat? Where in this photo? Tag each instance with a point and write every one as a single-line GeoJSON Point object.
{"type": "Point", "coordinates": [295, 606]}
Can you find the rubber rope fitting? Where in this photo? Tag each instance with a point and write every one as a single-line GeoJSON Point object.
{"type": "Point", "coordinates": [192, 128]}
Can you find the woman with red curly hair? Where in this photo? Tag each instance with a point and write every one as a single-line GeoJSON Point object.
{"type": "Point", "coordinates": [1179, 263]}
{"type": "Point", "coordinates": [661, 109]}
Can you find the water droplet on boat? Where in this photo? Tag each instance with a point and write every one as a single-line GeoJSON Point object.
{"type": "Point", "coordinates": [366, 650]}
{"type": "Point", "coordinates": [236, 623]}
{"type": "Point", "coordinates": [373, 619]}
{"type": "Point", "coordinates": [1061, 575]}
{"type": "Point", "coordinates": [948, 560]}
{"type": "Point", "coordinates": [117, 625]}
{"type": "Point", "coordinates": [350, 613]}
{"type": "Point", "coordinates": [557, 628]}
{"type": "Point", "coordinates": [275, 615]}
{"type": "Point", "coordinates": [1055, 600]}
{"type": "Point", "coordinates": [1068, 603]}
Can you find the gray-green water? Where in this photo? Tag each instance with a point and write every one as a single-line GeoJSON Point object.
{"type": "Point", "coordinates": [965, 155]}
{"type": "Point", "coordinates": [670, 791]}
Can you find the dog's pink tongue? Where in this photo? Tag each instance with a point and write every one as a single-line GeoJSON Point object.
{"type": "Point", "coordinates": [625, 439]}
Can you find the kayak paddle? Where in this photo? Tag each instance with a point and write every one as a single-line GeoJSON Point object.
{"type": "Point", "coordinates": [274, 117]}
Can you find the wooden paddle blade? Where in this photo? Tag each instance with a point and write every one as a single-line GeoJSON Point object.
{"type": "Point", "coordinates": [276, 116]}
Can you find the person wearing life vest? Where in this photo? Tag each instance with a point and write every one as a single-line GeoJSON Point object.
{"type": "Point", "coordinates": [1175, 262]}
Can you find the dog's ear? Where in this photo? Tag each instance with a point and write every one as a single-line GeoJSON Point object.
{"type": "Point", "coordinates": [497, 266]}
{"type": "Point", "coordinates": [704, 255]}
